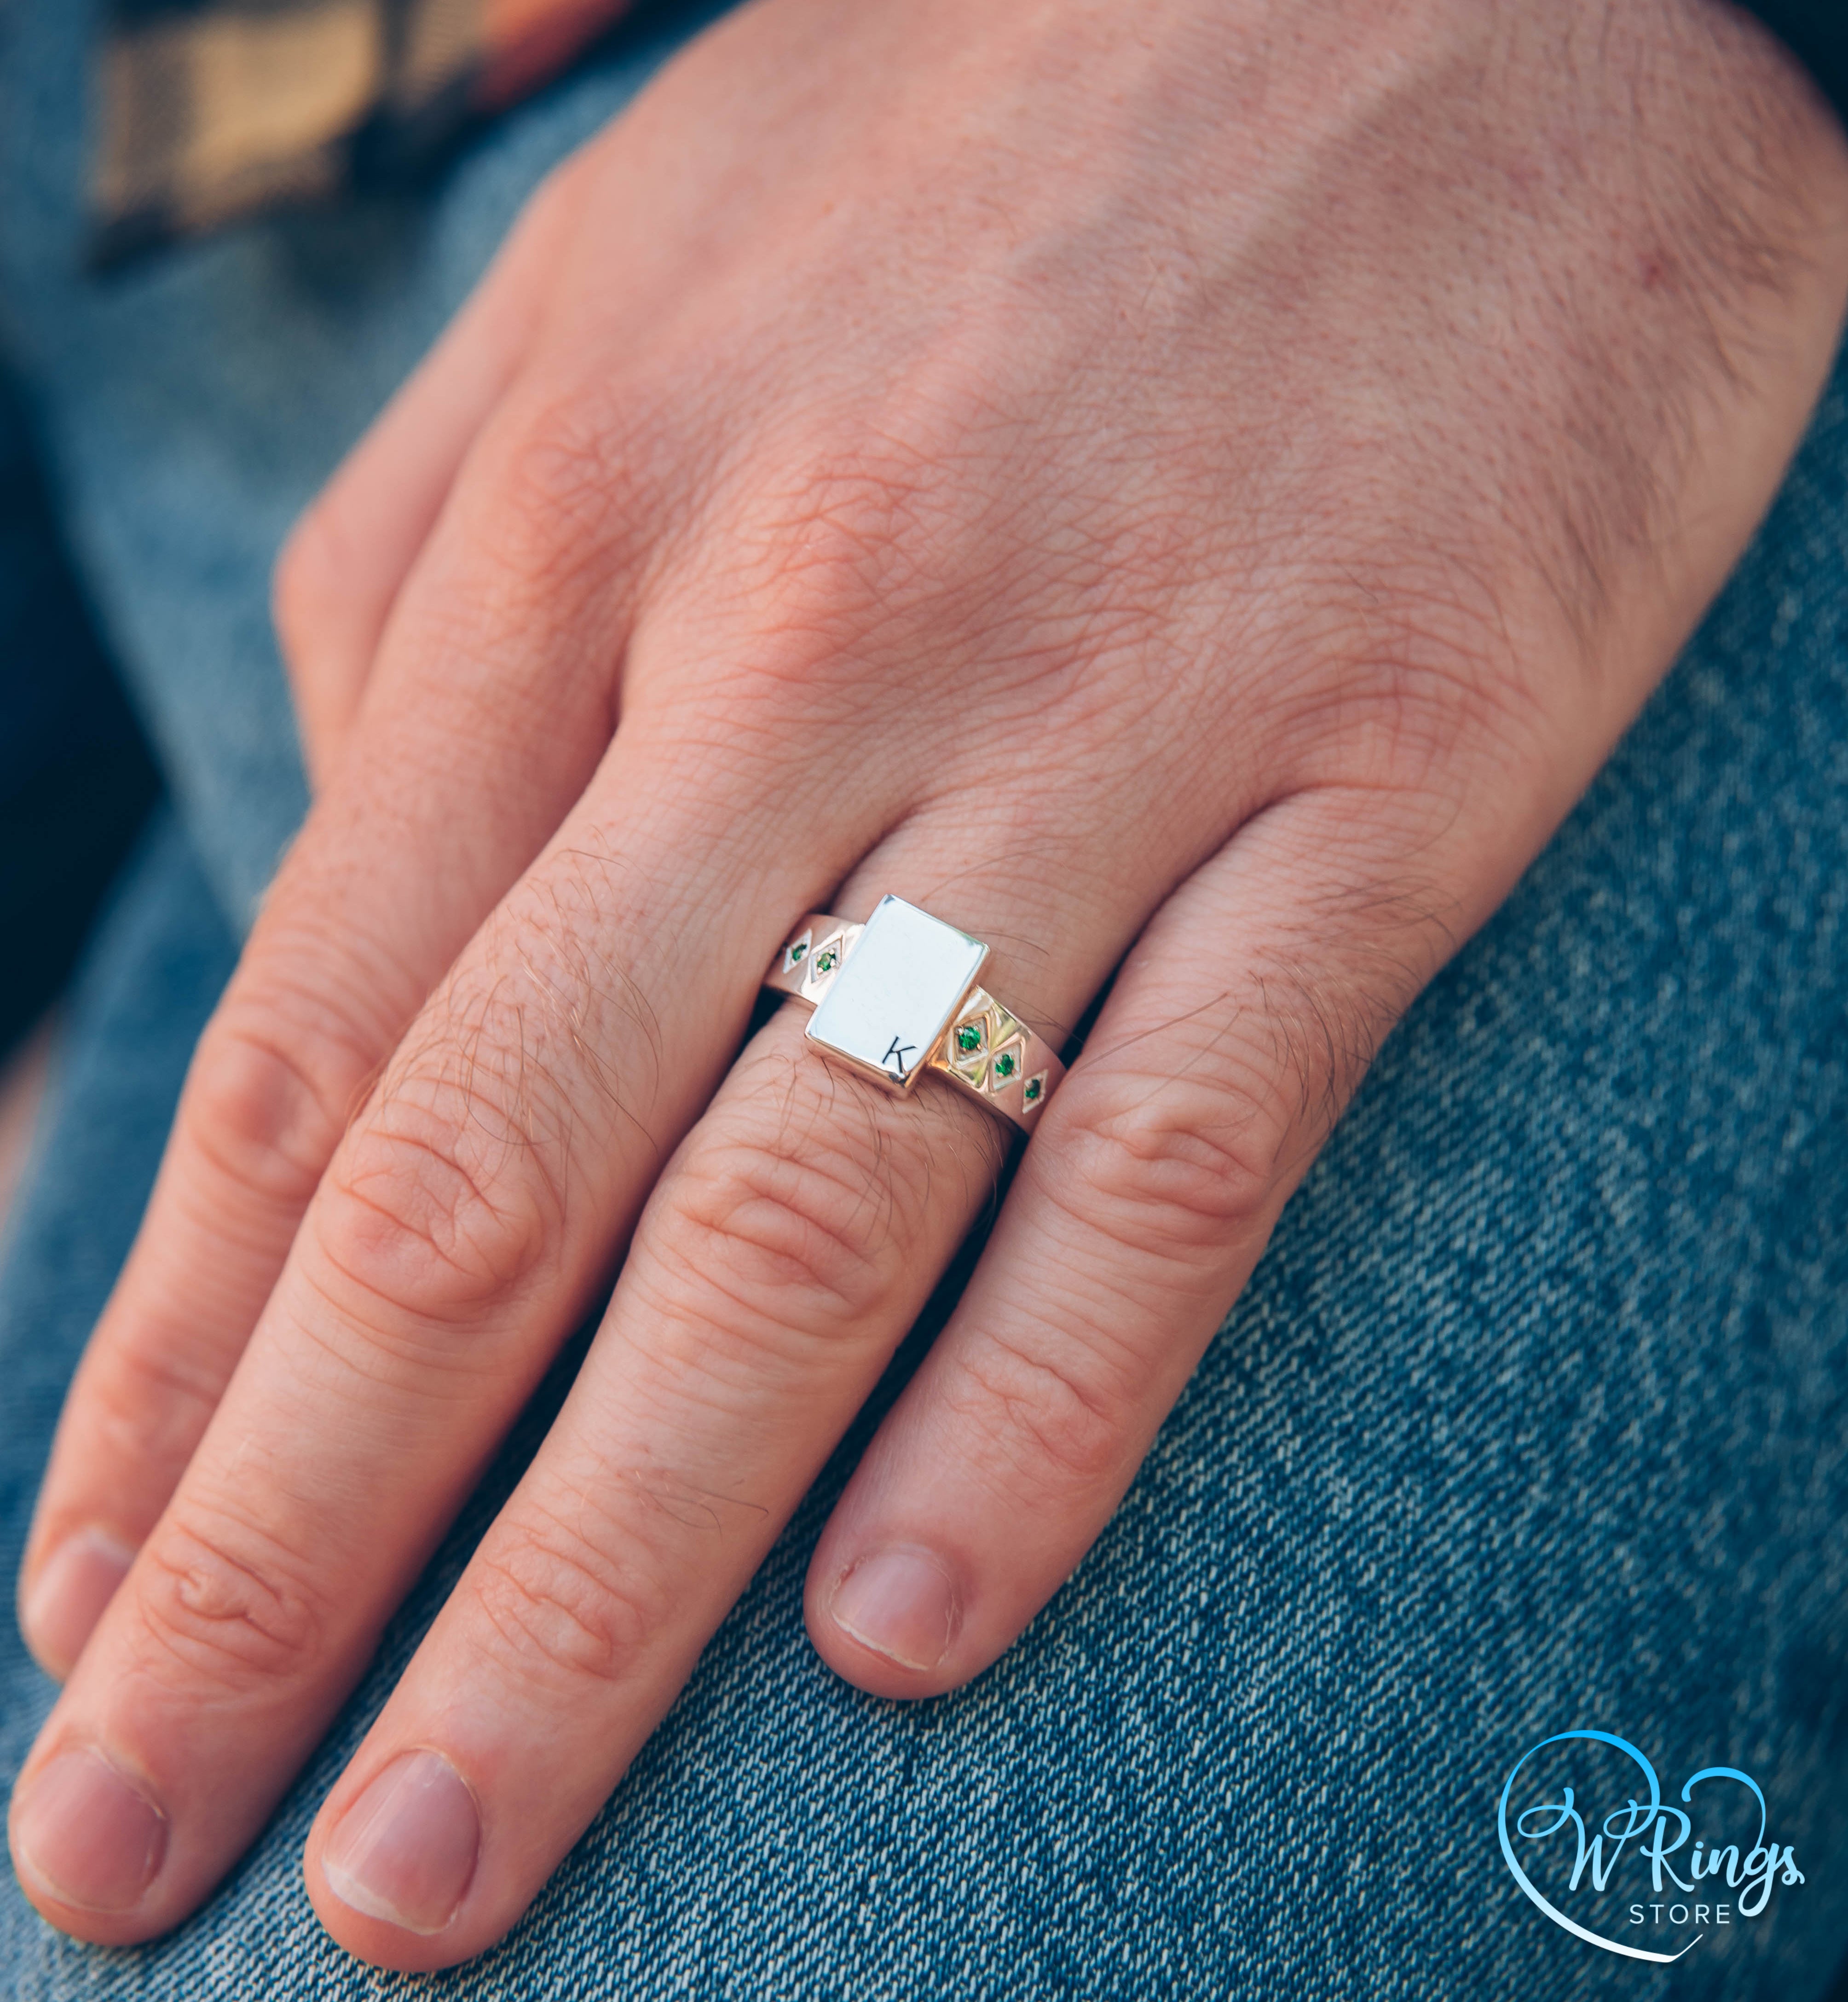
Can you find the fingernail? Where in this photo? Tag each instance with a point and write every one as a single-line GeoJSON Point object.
{"type": "Point", "coordinates": [91, 1838]}
{"type": "Point", "coordinates": [404, 1849]}
{"type": "Point", "coordinates": [899, 1603]}
{"type": "Point", "coordinates": [79, 1579]}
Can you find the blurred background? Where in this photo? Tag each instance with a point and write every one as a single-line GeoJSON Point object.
{"type": "Point", "coordinates": [77, 781]}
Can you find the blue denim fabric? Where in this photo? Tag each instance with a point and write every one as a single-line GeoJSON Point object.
{"type": "Point", "coordinates": [191, 406]}
{"type": "Point", "coordinates": [1535, 1417]}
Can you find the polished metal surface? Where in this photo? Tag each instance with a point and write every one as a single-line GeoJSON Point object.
{"type": "Point", "coordinates": [888, 1006]}
{"type": "Point", "coordinates": [896, 996]}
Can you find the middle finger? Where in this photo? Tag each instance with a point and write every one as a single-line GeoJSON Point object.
{"type": "Point", "coordinates": [787, 1248]}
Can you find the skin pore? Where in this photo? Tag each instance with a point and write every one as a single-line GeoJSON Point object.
{"type": "Point", "coordinates": [1190, 490]}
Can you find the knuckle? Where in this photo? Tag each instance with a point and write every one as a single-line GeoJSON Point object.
{"type": "Point", "coordinates": [788, 1222]}
{"type": "Point", "coordinates": [842, 551]}
{"type": "Point", "coordinates": [1062, 1413]}
{"type": "Point", "coordinates": [221, 1597]}
{"type": "Point", "coordinates": [426, 1214]}
{"type": "Point", "coordinates": [267, 1098]}
{"type": "Point", "coordinates": [451, 1192]}
{"type": "Point", "coordinates": [148, 1404]}
{"type": "Point", "coordinates": [1414, 716]}
{"type": "Point", "coordinates": [558, 499]}
{"type": "Point", "coordinates": [1190, 1158]}
{"type": "Point", "coordinates": [1412, 662]}
{"type": "Point", "coordinates": [1174, 1166]}
{"type": "Point", "coordinates": [563, 1607]}
{"type": "Point", "coordinates": [840, 533]}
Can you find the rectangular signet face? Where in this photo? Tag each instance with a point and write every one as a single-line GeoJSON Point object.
{"type": "Point", "coordinates": [896, 993]}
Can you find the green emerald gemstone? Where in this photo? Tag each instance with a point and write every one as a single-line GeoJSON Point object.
{"type": "Point", "coordinates": [1032, 1089]}
{"type": "Point", "coordinates": [826, 962]}
{"type": "Point", "coordinates": [1006, 1064]}
{"type": "Point", "coordinates": [798, 952]}
{"type": "Point", "coordinates": [968, 1038]}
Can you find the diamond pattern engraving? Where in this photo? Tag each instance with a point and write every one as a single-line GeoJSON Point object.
{"type": "Point", "coordinates": [1002, 1026]}
{"type": "Point", "coordinates": [903, 1016]}
{"type": "Point", "coordinates": [986, 1048]}
{"type": "Point", "coordinates": [824, 962]}
{"type": "Point", "coordinates": [989, 1049]}
{"type": "Point", "coordinates": [1006, 1066]}
{"type": "Point", "coordinates": [966, 1047]}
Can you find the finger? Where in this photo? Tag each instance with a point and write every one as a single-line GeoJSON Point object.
{"type": "Point", "coordinates": [1231, 1039]}
{"type": "Point", "coordinates": [456, 1237]}
{"type": "Point", "coordinates": [488, 715]}
{"type": "Point", "coordinates": [341, 570]}
{"type": "Point", "coordinates": [787, 1248]}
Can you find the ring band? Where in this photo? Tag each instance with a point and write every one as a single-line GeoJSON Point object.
{"type": "Point", "coordinates": [897, 996]}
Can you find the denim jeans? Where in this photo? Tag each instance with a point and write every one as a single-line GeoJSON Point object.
{"type": "Point", "coordinates": [1534, 1419]}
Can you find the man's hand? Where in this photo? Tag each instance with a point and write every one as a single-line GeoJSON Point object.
{"type": "Point", "coordinates": [1194, 487]}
